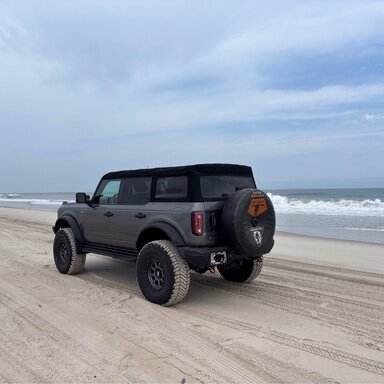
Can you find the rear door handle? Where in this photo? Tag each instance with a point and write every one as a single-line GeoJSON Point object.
{"type": "Point", "coordinates": [108, 214]}
{"type": "Point", "coordinates": [140, 215]}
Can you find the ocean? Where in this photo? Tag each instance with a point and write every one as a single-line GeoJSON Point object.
{"type": "Point", "coordinates": [350, 214]}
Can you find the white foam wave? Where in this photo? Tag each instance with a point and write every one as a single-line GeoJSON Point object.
{"type": "Point", "coordinates": [33, 201]}
{"type": "Point", "coordinates": [8, 195]}
{"type": "Point", "coordinates": [369, 208]}
{"type": "Point", "coordinates": [364, 229]}
{"type": "Point", "coordinates": [47, 202]}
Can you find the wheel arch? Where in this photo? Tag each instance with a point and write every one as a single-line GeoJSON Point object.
{"type": "Point", "coordinates": [70, 222]}
{"type": "Point", "coordinates": [159, 231]}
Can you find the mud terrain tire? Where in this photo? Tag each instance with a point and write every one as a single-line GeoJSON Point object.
{"type": "Point", "coordinates": [248, 221]}
{"type": "Point", "coordinates": [241, 270]}
{"type": "Point", "coordinates": [67, 260]}
{"type": "Point", "coordinates": [162, 274]}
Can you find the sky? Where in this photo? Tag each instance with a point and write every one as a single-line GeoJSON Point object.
{"type": "Point", "coordinates": [294, 89]}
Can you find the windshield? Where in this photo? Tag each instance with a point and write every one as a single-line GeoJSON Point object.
{"type": "Point", "coordinates": [221, 186]}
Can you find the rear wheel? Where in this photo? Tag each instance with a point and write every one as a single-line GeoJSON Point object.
{"type": "Point", "coordinates": [241, 270]}
{"type": "Point", "coordinates": [65, 254]}
{"type": "Point", "coordinates": [162, 274]}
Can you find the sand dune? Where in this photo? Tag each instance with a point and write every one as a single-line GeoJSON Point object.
{"type": "Point", "coordinates": [314, 315]}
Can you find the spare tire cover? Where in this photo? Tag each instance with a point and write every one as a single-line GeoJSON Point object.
{"type": "Point", "coordinates": [248, 222]}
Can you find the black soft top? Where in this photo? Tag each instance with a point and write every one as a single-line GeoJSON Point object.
{"type": "Point", "coordinates": [216, 169]}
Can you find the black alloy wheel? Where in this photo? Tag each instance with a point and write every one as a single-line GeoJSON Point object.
{"type": "Point", "coordinates": [65, 255]}
{"type": "Point", "coordinates": [156, 274]}
{"type": "Point", "coordinates": [162, 274]}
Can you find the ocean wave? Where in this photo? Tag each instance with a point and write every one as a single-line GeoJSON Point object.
{"type": "Point", "coordinates": [8, 195]}
{"type": "Point", "coordinates": [343, 207]}
{"type": "Point", "coordinates": [32, 201]}
{"type": "Point", "coordinates": [364, 229]}
{"type": "Point", "coordinates": [49, 202]}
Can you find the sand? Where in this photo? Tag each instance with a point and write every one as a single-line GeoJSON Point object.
{"type": "Point", "coordinates": [314, 315]}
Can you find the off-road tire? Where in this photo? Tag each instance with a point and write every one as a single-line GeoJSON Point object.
{"type": "Point", "coordinates": [241, 270]}
{"type": "Point", "coordinates": [162, 274]}
{"type": "Point", "coordinates": [244, 229]}
{"type": "Point", "coordinates": [67, 260]}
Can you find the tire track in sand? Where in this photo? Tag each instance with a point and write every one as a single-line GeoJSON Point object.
{"type": "Point", "coordinates": [14, 370]}
{"type": "Point", "coordinates": [342, 313]}
{"type": "Point", "coordinates": [331, 353]}
{"type": "Point", "coordinates": [69, 347]}
{"type": "Point", "coordinates": [172, 337]}
{"type": "Point", "coordinates": [312, 347]}
{"type": "Point", "coordinates": [331, 273]}
{"type": "Point", "coordinates": [230, 367]}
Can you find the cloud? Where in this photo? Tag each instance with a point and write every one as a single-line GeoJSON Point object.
{"type": "Point", "coordinates": [368, 116]}
{"type": "Point", "coordinates": [147, 43]}
{"type": "Point", "coordinates": [133, 84]}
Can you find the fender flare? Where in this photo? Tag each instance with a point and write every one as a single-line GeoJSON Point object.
{"type": "Point", "coordinates": [69, 221]}
{"type": "Point", "coordinates": [172, 233]}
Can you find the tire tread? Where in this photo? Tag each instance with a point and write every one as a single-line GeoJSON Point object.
{"type": "Point", "coordinates": [77, 259]}
{"type": "Point", "coordinates": [256, 269]}
{"type": "Point", "coordinates": [180, 269]}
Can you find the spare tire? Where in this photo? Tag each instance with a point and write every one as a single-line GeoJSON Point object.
{"type": "Point", "coordinates": [248, 222]}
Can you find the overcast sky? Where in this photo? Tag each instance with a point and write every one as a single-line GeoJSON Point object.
{"type": "Point", "coordinates": [293, 88]}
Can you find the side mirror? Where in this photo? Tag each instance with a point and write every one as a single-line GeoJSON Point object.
{"type": "Point", "coordinates": [81, 198]}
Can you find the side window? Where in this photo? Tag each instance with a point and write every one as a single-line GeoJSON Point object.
{"type": "Point", "coordinates": [137, 190]}
{"type": "Point", "coordinates": [175, 187]}
{"type": "Point", "coordinates": [221, 186]}
{"type": "Point", "coordinates": [108, 192]}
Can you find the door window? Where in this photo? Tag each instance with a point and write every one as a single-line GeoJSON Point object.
{"type": "Point", "coordinates": [108, 192]}
{"type": "Point", "coordinates": [137, 190]}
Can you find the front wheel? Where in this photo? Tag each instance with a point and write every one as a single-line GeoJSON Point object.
{"type": "Point", "coordinates": [241, 270]}
{"type": "Point", "coordinates": [162, 274]}
{"type": "Point", "coordinates": [66, 258]}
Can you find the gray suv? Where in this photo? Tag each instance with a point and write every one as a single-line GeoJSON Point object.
{"type": "Point", "coordinates": [170, 221]}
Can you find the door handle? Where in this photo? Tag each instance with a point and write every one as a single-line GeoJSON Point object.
{"type": "Point", "coordinates": [108, 214]}
{"type": "Point", "coordinates": [140, 215]}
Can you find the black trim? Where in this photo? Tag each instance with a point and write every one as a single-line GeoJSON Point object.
{"type": "Point", "coordinates": [74, 225]}
{"type": "Point", "coordinates": [183, 170]}
{"type": "Point", "coordinates": [200, 257]}
{"type": "Point", "coordinates": [115, 252]}
{"type": "Point", "coordinates": [172, 233]}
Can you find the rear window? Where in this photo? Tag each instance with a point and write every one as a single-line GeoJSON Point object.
{"type": "Point", "coordinates": [221, 186]}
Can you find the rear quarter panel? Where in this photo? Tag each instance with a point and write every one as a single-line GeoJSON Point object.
{"type": "Point", "coordinates": [179, 216]}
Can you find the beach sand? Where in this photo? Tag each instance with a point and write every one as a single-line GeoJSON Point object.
{"type": "Point", "coordinates": [315, 314]}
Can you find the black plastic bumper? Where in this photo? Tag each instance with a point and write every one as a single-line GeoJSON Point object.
{"type": "Point", "coordinates": [204, 257]}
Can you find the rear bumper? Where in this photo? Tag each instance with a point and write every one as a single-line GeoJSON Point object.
{"type": "Point", "coordinates": [205, 257]}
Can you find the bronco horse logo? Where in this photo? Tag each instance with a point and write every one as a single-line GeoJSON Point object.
{"type": "Point", "coordinates": [258, 235]}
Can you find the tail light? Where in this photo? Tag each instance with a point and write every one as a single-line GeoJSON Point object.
{"type": "Point", "coordinates": [197, 223]}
